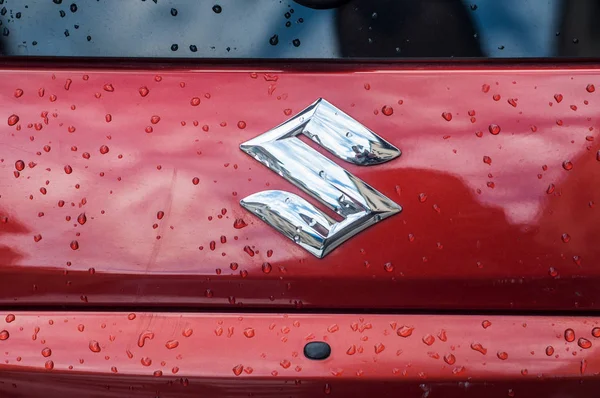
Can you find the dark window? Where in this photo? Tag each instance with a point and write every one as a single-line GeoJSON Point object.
{"type": "Point", "coordinates": [286, 29]}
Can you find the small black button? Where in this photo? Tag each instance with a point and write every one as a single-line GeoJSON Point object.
{"type": "Point", "coordinates": [317, 350]}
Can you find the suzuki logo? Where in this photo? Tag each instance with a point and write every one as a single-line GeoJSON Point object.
{"type": "Point", "coordinates": [359, 204]}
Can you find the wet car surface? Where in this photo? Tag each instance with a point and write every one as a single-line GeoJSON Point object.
{"type": "Point", "coordinates": [130, 267]}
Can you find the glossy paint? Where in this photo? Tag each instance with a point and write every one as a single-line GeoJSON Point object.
{"type": "Point", "coordinates": [158, 354]}
{"type": "Point", "coordinates": [497, 181]}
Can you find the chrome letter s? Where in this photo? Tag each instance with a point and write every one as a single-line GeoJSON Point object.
{"type": "Point", "coordinates": [358, 203]}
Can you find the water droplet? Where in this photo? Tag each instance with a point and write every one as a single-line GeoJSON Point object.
{"type": "Point", "coordinates": [494, 129]}
{"type": "Point", "coordinates": [558, 98]}
{"type": "Point", "coordinates": [549, 350]}
{"type": "Point", "coordinates": [108, 87]}
{"type": "Point", "coordinates": [155, 119]}
{"type": "Point", "coordinates": [553, 272]}
{"type": "Point", "coordinates": [486, 324]}
{"type": "Point", "coordinates": [285, 363]}
{"type": "Point", "coordinates": [233, 266]}
{"type": "Point", "coordinates": [4, 335]}
{"type": "Point", "coordinates": [18, 93]}
{"type": "Point", "coordinates": [487, 160]}
{"type": "Point", "coordinates": [428, 339]}
{"type": "Point", "coordinates": [583, 366]}
{"type": "Point", "coordinates": [502, 355]}
{"type": "Point", "coordinates": [239, 223]}
{"type": "Point", "coordinates": [405, 331]}
{"type": "Point", "coordinates": [217, 10]}
{"type": "Point", "coordinates": [145, 361]}
{"type": "Point", "coordinates": [171, 344]}
{"type": "Point", "coordinates": [333, 328]}
{"type": "Point", "coordinates": [567, 165]}
{"type": "Point", "coordinates": [379, 348]}
{"type": "Point", "coordinates": [387, 110]}
{"type": "Point", "coordinates": [146, 335]}
{"type": "Point", "coordinates": [144, 91]}
{"type": "Point", "coordinates": [479, 348]}
{"type": "Point", "coordinates": [584, 343]}
{"type": "Point", "coordinates": [450, 359]}
{"type": "Point", "coordinates": [389, 267]}
{"type": "Point", "coordinates": [12, 120]}
{"type": "Point", "coordinates": [195, 101]}
{"type": "Point", "coordinates": [249, 251]}
{"type": "Point", "coordinates": [550, 189]}
{"type": "Point", "coordinates": [512, 102]}
{"type": "Point", "coordinates": [442, 335]}
{"type": "Point", "coordinates": [266, 268]}
{"type": "Point", "coordinates": [74, 245]}
{"type": "Point", "coordinates": [590, 88]}
{"type": "Point", "coordinates": [157, 373]}
{"type": "Point", "coordinates": [565, 237]}
{"type": "Point", "coordinates": [104, 149]}
{"type": "Point", "coordinates": [10, 318]}
{"type": "Point", "coordinates": [49, 365]}
{"type": "Point", "coordinates": [249, 333]}
{"type": "Point", "coordinates": [160, 215]}
{"type": "Point", "coordinates": [81, 219]}
{"type": "Point", "coordinates": [296, 42]}
{"type": "Point", "coordinates": [237, 370]}
{"type": "Point", "coordinates": [20, 165]}
{"type": "Point", "coordinates": [46, 352]}
{"type": "Point", "coordinates": [447, 116]}
{"type": "Point", "coordinates": [94, 346]}
{"type": "Point", "coordinates": [570, 335]}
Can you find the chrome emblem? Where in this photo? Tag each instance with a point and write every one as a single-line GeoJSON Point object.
{"type": "Point", "coordinates": [359, 204]}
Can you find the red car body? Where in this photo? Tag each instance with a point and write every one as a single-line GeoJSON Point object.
{"type": "Point", "coordinates": [120, 190]}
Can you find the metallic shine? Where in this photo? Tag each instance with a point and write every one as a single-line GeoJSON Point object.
{"type": "Point", "coordinates": [357, 202]}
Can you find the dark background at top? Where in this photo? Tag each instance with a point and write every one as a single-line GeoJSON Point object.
{"type": "Point", "coordinates": [247, 28]}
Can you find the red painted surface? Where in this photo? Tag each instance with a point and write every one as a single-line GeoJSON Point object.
{"type": "Point", "coordinates": [121, 354]}
{"type": "Point", "coordinates": [490, 222]}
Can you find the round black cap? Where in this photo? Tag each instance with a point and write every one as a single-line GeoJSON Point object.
{"type": "Point", "coordinates": [317, 350]}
